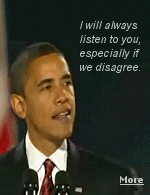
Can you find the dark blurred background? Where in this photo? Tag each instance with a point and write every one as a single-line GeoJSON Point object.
{"type": "Point", "coordinates": [113, 110]}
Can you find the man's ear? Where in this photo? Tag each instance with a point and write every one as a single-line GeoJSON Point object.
{"type": "Point", "coordinates": [18, 105]}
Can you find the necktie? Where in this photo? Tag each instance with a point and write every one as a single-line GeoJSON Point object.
{"type": "Point", "coordinates": [47, 184]}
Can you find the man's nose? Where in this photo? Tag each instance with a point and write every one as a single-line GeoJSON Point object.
{"type": "Point", "coordinates": [61, 95]}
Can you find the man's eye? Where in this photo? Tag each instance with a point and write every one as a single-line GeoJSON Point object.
{"type": "Point", "coordinates": [46, 87]}
{"type": "Point", "coordinates": [68, 83]}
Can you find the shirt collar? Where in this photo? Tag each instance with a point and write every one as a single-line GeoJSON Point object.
{"type": "Point", "coordinates": [36, 158]}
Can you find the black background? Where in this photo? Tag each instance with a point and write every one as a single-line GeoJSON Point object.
{"type": "Point", "coordinates": [113, 110]}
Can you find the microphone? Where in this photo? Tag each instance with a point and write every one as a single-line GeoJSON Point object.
{"type": "Point", "coordinates": [29, 182]}
{"type": "Point", "coordinates": [62, 183]}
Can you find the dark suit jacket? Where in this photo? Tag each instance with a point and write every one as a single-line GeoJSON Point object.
{"type": "Point", "coordinates": [96, 175]}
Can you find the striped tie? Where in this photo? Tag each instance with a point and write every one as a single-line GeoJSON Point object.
{"type": "Point", "coordinates": [47, 184]}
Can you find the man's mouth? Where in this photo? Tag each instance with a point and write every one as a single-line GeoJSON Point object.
{"type": "Point", "coordinates": [62, 115]}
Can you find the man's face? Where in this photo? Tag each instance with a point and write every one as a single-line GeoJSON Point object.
{"type": "Point", "coordinates": [49, 98]}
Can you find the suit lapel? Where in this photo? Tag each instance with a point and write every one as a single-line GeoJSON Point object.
{"type": "Point", "coordinates": [21, 157]}
{"type": "Point", "coordinates": [73, 161]}
{"type": "Point", "coordinates": [19, 164]}
{"type": "Point", "coordinates": [73, 167]}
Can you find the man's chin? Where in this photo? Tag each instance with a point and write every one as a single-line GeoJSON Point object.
{"type": "Point", "coordinates": [60, 136]}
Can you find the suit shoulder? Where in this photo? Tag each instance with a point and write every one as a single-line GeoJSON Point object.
{"type": "Point", "coordinates": [103, 162]}
{"type": "Point", "coordinates": [102, 168]}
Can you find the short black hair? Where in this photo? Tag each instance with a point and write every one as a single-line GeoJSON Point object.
{"type": "Point", "coordinates": [18, 71]}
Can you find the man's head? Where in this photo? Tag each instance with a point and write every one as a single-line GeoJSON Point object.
{"type": "Point", "coordinates": [19, 68]}
{"type": "Point", "coordinates": [43, 92]}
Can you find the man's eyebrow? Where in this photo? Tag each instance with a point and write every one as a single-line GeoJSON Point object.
{"type": "Point", "coordinates": [41, 82]}
{"type": "Point", "coordinates": [66, 76]}
{"type": "Point", "coordinates": [50, 80]}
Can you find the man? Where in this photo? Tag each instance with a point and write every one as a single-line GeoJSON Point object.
{"type": "Point", "coordinates": [43, 95]}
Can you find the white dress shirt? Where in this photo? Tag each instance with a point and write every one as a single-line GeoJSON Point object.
{"type": "Point", "coordinates": [37, 158]}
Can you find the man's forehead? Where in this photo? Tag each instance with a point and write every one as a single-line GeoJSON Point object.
{"type": "Point", "coordinates": [49, 64]}
{"type": "Point", "coordinates": [52, 57]}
